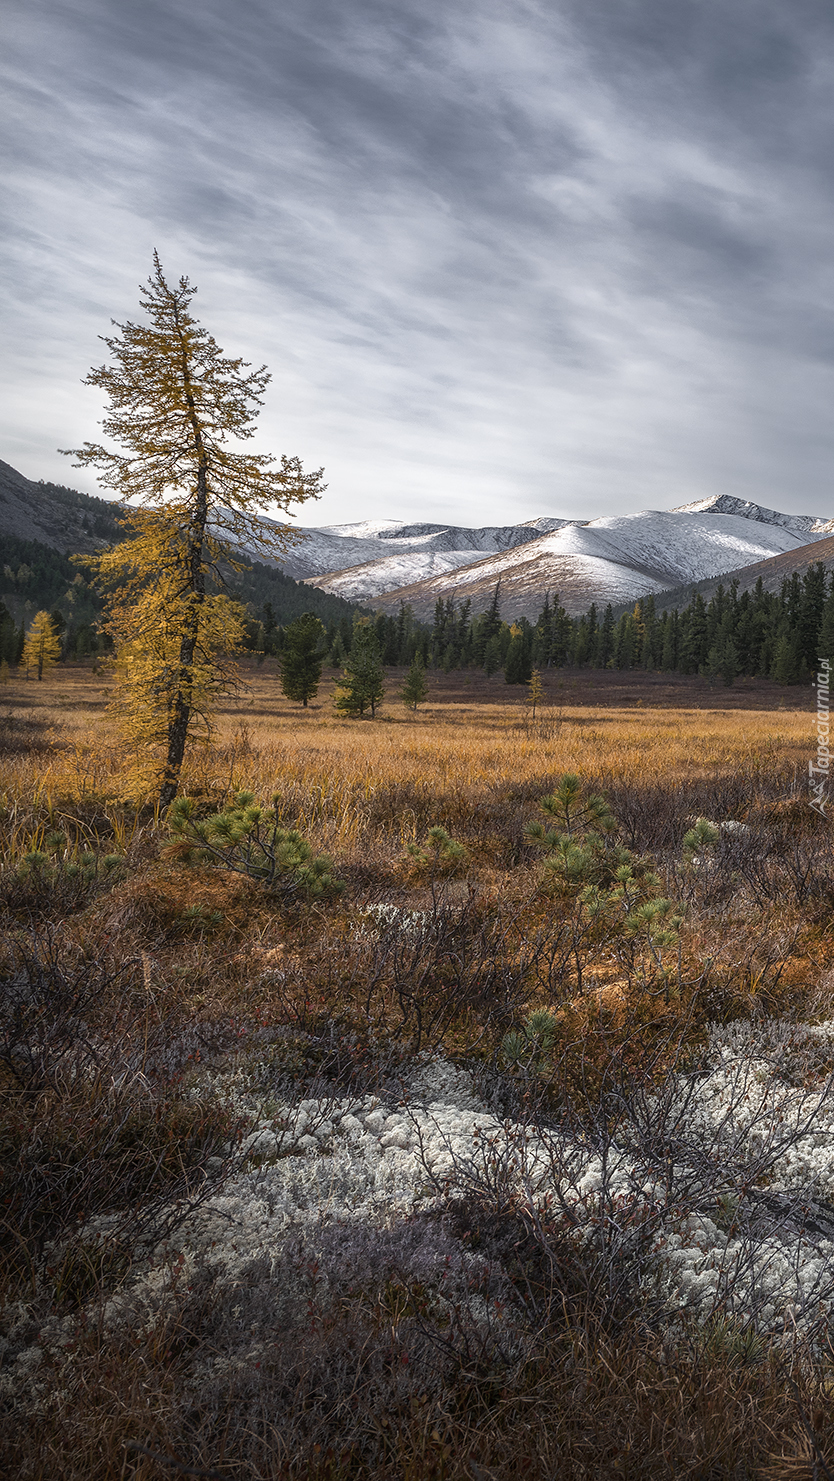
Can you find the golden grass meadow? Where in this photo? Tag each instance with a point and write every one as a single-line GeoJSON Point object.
{"type": "Point", "coordinates": [500, 1146]}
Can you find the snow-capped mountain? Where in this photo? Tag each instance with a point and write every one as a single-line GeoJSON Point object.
{"type": "Point", "coordinates": [806, 525]}
{"type": "Point", "coordinates": [402, 553]}
{"type": "Point", "coordinates": [614, 559]}
{"type": "Point", "coordinates": [383, 562]}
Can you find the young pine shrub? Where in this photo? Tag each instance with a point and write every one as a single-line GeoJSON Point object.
{"type": "Point", "coordinates": [530, 1048]}
{"type": "Point", "coordinates": [441, 858]}
{"type": "Point", "coordinates": [615, 899]}
{"type": "Point", "coordinates": [58, 877]}
{"type": "Point", "coordinates": [247, 838]}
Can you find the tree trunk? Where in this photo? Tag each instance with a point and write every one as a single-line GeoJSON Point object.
{"type": "Point", "coordinates": [181, 718]}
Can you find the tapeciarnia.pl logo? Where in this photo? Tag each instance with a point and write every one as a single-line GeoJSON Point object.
{"type": "Point", "coordinates": [818, 769]}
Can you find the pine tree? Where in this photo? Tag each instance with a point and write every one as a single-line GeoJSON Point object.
{"type": "Point", "coordinates": [299, 662]}
{"type": "Point", "coordinates": [518, 667]}
{"type": "Point", "coordinates": [42, 647]}
{"type": "Point", "coordinates": [174, 403]}
{"type": "Point", "coordinates": [825, 641]}
{"type": "Point", "coordinates": [414, 689]}
{"type": "Point", "coordinates": [362, 686]}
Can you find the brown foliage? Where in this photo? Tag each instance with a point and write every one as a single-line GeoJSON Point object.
{"type": "Point", "coordinates": [171, 967]}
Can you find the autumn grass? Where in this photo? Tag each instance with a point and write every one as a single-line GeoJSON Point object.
{"type": "Point", "coordinates": [180, 964]}
{"type": "Point", "coordinates": [337, 775]}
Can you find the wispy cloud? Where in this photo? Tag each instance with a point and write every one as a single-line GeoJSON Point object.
{"type": "Point", "coordinates": [501, 261]}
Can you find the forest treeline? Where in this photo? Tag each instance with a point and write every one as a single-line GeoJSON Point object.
{"type": "Point", "coordinates": [765, 634]}
{"type": "Point", "coordinates": [34, 577]}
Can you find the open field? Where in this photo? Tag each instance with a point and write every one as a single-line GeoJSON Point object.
{"type": "Point", "coordinates": [513, 1153]}
{"type": "Point", "coordinates": [471, 732]}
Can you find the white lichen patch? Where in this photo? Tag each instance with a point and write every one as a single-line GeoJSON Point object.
{"type": "Point", "coordinates": [712, 1194]}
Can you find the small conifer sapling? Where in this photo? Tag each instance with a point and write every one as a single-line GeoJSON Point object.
{"type": "Point", "coordinates": [415, 689]}
{"type": "Point", "coordinates": [535, 692]}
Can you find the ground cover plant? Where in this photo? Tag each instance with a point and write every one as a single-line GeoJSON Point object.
{"type": "Point", "coordinates": [445, 1093]}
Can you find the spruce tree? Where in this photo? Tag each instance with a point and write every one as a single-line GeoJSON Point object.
{"type": "Point", "coordinates": [671, 630]}
{"type": "Point", "coordinates": [300, 659]}
{"type": "Point", "coordinates": [604, 646]}
{"type": "Point", "coordinates": [787, 658]}
{"type": "Point", "coordinates": [693, 646]}
{"type": "Point", "coordinates": [825, 641]}
{"type": "Point", "coordinates": [544, 632]}
{"type": "Point", "coordinates": [729, 661]}
{"type": "Point", "coordinates": [492, 655]}
{"type": "Point", "coordinates": [489, 626]}
{"type": "Point", "coordinates": [518, 668]}
{"type": "Point", "coordinates": [414, 689]}
{"type": "Point", "coordinates": [362, 686]}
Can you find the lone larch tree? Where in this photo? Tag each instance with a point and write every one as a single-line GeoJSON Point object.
{"type": "Point", "coordinates": [42, 648]}
{"type": "Point", "coordinates": [189, 500]}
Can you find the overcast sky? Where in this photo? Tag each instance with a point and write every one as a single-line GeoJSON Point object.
{"type": "Point", "coordinates": [502, 258]}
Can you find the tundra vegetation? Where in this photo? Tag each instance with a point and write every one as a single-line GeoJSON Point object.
{"type": "Point", "coordinates": [444, 1095]}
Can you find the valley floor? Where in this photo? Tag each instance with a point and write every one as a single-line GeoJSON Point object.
{"type": "Point", "coordinates": [508, 1147]}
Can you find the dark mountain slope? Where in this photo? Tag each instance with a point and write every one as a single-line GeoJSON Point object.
{"type": "Point", "coordinates": [59, 517]}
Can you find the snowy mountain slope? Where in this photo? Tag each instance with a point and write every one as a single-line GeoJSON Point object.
{"type": "Point", "coordinates": [380, 577]}
{"type": "Point", "coordinates": [772, 572]}
{"type": "Point", "coordinates": [799, 524]}
{"type": "Point", "coordinates": [613, 560]}
{"type": "Point", "coordinates": [329, 548]}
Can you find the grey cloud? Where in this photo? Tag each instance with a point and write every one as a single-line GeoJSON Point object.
{"type": "Point", "coordinates": [559, 258]}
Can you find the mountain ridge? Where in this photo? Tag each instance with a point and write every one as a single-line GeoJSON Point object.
{"type": "Point", "coordinates": [59, 517]}
{"type": "Point", "coordinates": [380, 563]}
{"type": "Point", "coordinates": [614, 559]}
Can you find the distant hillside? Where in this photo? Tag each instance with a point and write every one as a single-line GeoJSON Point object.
{"type": "Point", "coordinates": [288, 598]}
{"type": "Point", "coordinates": [52, 515]}
{"type": "Point", "coordinates": [43, 524]}
{"type": "Point", "coordinates": [35, 577]}
{"type": "Point", "coordinates": [772, 573]}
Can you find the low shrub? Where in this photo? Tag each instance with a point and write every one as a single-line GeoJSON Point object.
{"type": "Point", "coordinates": [249, 839]}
